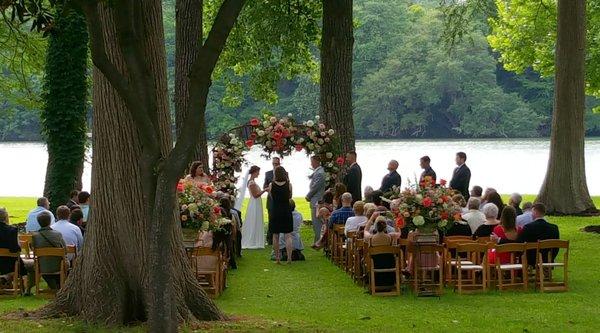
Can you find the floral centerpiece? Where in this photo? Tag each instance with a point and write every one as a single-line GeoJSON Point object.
{"type": "Point", "coordinates": [199, 208]}
{"type": "Point", "coordinates": [228, 157]}
{"type": "Point", "coordinates": [424, 206]}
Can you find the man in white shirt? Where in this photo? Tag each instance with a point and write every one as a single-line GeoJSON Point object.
{"type": "Point", "coordinates": [474, 216]}
{"type": "Point", "coordinates": [42, 206]}
{"type": "Point", "coordinates": [70, 232]}
{"type": "Point", "coordinates": [527, 216]}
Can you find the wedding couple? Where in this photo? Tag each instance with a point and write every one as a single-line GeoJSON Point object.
{"type": "Point", "coordinates": [280, 212]}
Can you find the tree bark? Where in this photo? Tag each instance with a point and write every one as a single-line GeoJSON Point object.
{"type": "Point", "coordinates": [188, 40]}
{"type": "Point", "coordinates": [564, 190]}
{"type": "Point", "coordinates": [336, 70]}
{"type": "Point", "coordinates": [64, 115]}
{"type": "Point", "coordinates": [133, 266]}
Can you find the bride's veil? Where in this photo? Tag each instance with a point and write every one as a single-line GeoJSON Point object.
{"type": "Point", "coordinates": [241, 192]}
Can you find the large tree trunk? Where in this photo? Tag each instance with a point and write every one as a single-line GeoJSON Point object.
{"type": "Point", "coordinates": [188, 40]}
{"type": "Point", "coordinates": [64, 114]}
{"type": "Point", "coordinates": [564, 190]}
{"type": "Point", "coordinates": [129, 270]}
{"type": "Point", "coordinates": [336, 70]}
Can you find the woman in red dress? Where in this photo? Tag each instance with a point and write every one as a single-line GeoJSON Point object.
{"type": "Point", "coordinates": [506, 230]}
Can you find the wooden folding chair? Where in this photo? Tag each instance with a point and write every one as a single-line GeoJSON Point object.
{"type": "Point", "coordinates": [517, 263]}
{"type": "Point", "coordinates": [209, 272]}
{"type": "Point", "coordinates": [17, 281]}
{"type": "Point", "coordinates": [378, 251]}
{"type": "Point", "coordinates": [340, 245]}
{"type": "Point", "coordinates": [434, 284]}
{"type": "Point", "coordinates": [350, 242]}
{"type": "Point", "coordinates": [450, 245]}
{"type": "Point", "coordinates": [49, 252]}
{"type": "Point", "coordinates": [472, 258]}
{"type": "Point", "coordinates": [357, 261]}
{"type": "Point", "coordinates": [457, 238]}
{"type": "Point", "coordinates": [546, 263]}
{"type": "Point", "coordinates": [25, 241]}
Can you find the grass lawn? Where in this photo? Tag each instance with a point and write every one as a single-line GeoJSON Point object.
{"type": "Point", "coordinates": [317, 296]}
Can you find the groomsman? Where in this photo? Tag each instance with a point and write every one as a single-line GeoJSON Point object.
{"type": "Point", "coordinates": [315, 193]}
{"type": "Point", "coordinates": [461, 175]}
{"type": "Point", "coordinates": [353, 178]}
{"type": "Point", "coordinates": [276, 161]}
{"type": "Point", "coordinates": [427, 170]}
{"type": "Point", "coordinates": [391, 179]}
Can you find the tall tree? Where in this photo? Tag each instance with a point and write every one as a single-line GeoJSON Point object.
{"type": "Point", "coordinates": [336, 70]}
{"type": "Point", "coordinates": [188, 40]}
{"type": "Point", "coordinates": [564, 190]}
{"type": "Point", "coordinates": [64, 114]}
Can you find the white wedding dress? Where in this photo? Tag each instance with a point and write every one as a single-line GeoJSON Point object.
{"type": "Point", "coordinates": [253, 229]}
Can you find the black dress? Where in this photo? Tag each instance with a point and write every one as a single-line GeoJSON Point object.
{"type": "Point", "coordinates": [281, 219]}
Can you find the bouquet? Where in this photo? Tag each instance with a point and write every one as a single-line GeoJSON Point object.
{"type": "Point", "coordinates": [198, 207]}
{"type": "Point", "coordinates": [425, 206]}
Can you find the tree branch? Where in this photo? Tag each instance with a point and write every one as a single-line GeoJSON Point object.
{"type": "Point", "coordinates": [200, 81]}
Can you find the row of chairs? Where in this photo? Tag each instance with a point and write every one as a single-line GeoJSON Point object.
{"type": "Point", "coordinates": [210, 268]}
{"type": "Point", "coordinates": [463, 264]}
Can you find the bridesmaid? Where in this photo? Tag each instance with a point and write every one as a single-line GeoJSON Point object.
{"type": "Point", "coordinates": [282, 221]}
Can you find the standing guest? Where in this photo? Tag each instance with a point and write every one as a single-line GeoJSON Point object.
{"type": "Point", "coordinates": [84, 203]}
{"type": "Point", "coordinates": [539, 229]}
{"type": "Point", "coordinates": [73, 201]}
{"type": "Point", "coordinates": [339, 216]}
{"type": "Point", "coordinates": [392, 178]}
{"type": "Point", "coordinates": [476, 192]}
{"type": "Point", "coordinates": [315, 194]}
{"type": "Point", "coordinates": [368, 194]}
{"type": "Point", "coordinates": [359, 219]}
{"type": "Point", "coordinates": [491, 221]}
{"type": "Point", "coordinates": [47, 237]}
{"type": "Point", "coordinates": [338, 190]}
{"type": "Point", "coordinates": [425, 163]}
{"type": "Point", "coordinates": [496, 199]}
{"type": "Point", "coordinates": [461, 175]}
{"type": "Point", "coordinates": [76, 219]}
{"type": "Point", "coordinates": [42, 207]}
{"type": "Point", "coordinates": [71, 234]}
{"type": "Point", "coordinates": [474, 216]}
{"type": "Point", "coordinates": [275, 162]}
{"type": "Point", "coordinates": [297, 245]}
{"type": "Point", "coordinates": [507, 230]}
{"type": "Point", "coordinates": [515, 201]}
{"type": "Point", "coordinates": [527, 216]}
{"type": "Point", "coordinates": [197, 174]}
{"type": "Point", "coordinates": [353, 178]}
{"type": "Point", "coordinates": [282, 221]}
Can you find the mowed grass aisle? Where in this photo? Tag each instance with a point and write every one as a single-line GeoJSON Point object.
{"type": "Point", "coordinates": [315, 295]}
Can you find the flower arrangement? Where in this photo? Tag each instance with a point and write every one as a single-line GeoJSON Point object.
{"type": "Point", "coordinates": [425, 206]}
{"type": "Point", "coordinates": [199, 208]}
{"type": "Point", "coordinates": [228, 157]}
{"type": "Point", "coordinates": [276, 135]}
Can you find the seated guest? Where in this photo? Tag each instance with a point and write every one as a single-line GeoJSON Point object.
{"type": "Point", "coordinates": [485, 230]}
{"type": "Point", "coordinates": [8, 240]}
{"type": "Point", "coordinates": [484, 197]}
{"type": "Point", "coordinates": [381, 237]}
{"type": "Point", "coordinates": [324, 214]}
{"type": "Point", "coordinates": [339, 216]}
{"type": "Point", "coordinates": [326, 201]}
{"type": "Point", "coordinates": [47, 237]}
{"type": "Point", "coordinates": [392, 178]}
{"type": "Point", "coordinates": [460, 200]}
{"type": "Point", "coordinates": [378, 202]}
{"type": "Point", "coordinates": [377, 232]}
{"type": "Point", "coordinates": [515, 202]}
{"type": "Point", "coordinates": [476, 192]}
{"type": "Point", "coordinates": [359, 219]}
{"type": "Point", "coordinates": [84, 203]}
{"type": "Point", "coordinates": [507, 230]}
{"type": "Point", "coordinates": [73, 201]}
{"type": "Point", "coordinates": [338, 190]}
{"type": "Point", "coordinates": [42, 207]}
{"type": "Point", "coordinates": [495, 198]}
{"type": "Point", "coordinates": [459, 228]}
{"type": "Point", "coordinates": [539, 229]}
{"type": "Point", "coordinates": [527, 216]}
{"type": "Point", "coordinates": [296, 240]}
{"type": "Point", "coordinates": [76, 218]}
{"type": "Point", "coordinates": [368, 194]}
{"type": "Point", "coordinates": [71, 234]}
{"type": "Point", "coordinates": [474, 216]}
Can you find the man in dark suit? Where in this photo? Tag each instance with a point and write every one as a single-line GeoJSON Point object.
{"type": "Point", "coordinates": [425, 163]}
{"type": "Point", "coordinates": [8, 240]}
{"type": "Point", "coordinates": [539, 229]}
{"type": "Point", "coordinates": [461, 175]}
{"type": "Point", "coordinates": [353, 178]}
{"type": "Point", "coordinates": [276, 161]}
{"type": "Point", "coordinates": [391, 179]}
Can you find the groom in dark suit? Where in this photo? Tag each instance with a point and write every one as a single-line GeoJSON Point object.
{"type": "Point", "coordinates": [461, 175]}
{"type": "Point", "coordinates": [353, 178]}
{"type": "Point", "coordinates": [268, 180]}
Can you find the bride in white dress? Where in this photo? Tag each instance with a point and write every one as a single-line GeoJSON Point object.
{"type": "Point", "coordinates": [253, 229]}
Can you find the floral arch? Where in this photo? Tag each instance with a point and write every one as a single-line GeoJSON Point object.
{"type": "Point", "coordinates": [280, 136]}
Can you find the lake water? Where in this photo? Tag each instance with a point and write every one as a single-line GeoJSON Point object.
{"type": "Point", "coordinates": [512, 165]}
